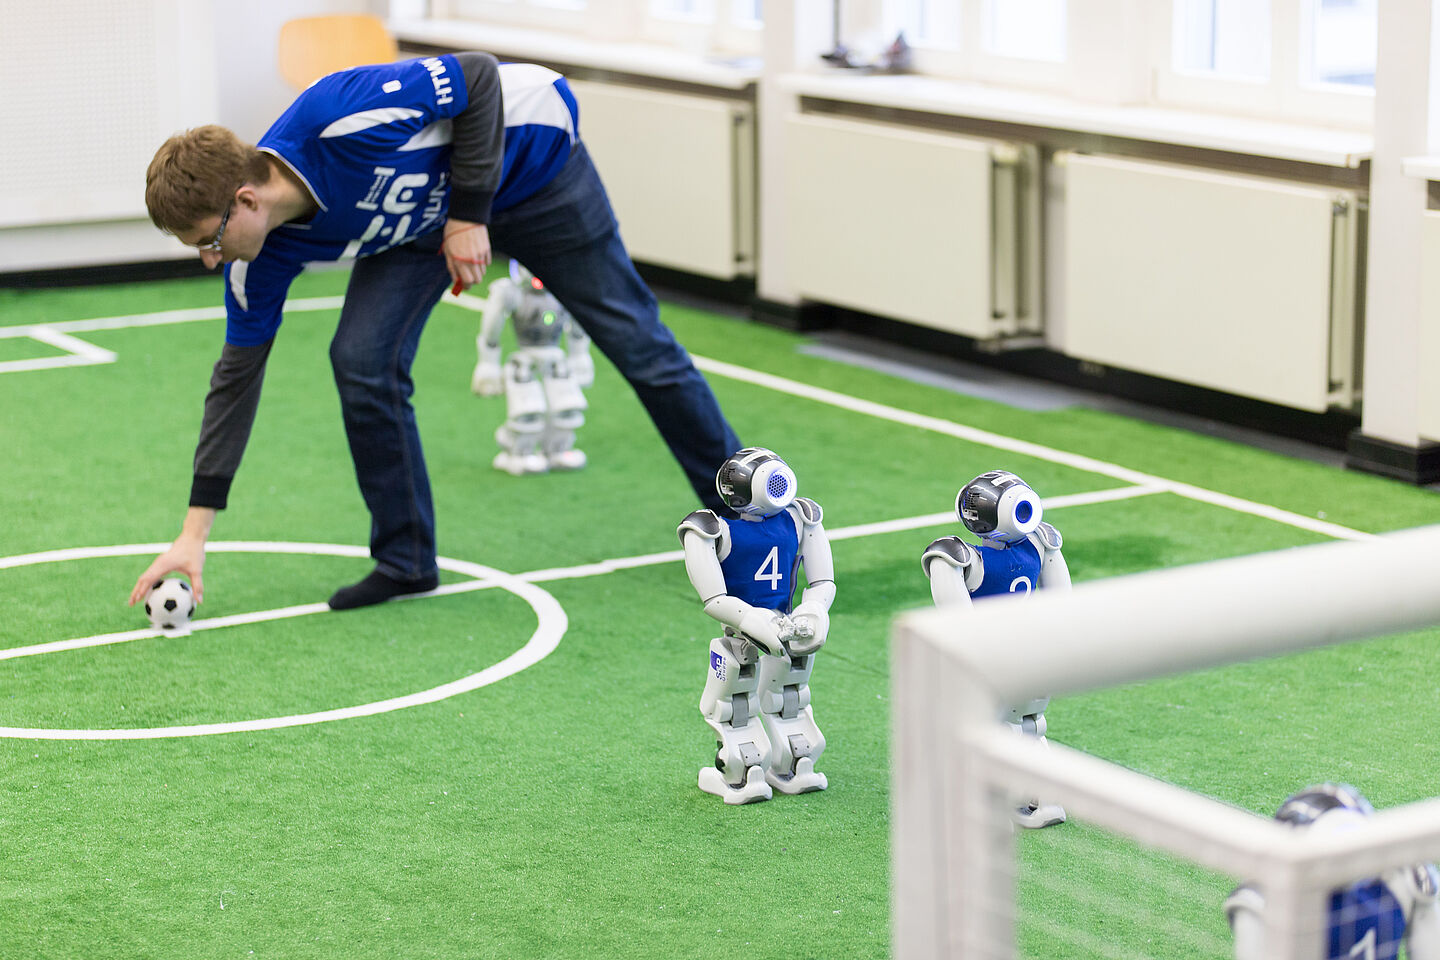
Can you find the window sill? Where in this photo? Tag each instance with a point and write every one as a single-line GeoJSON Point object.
{"type": "Point", "coordinates": [1422, 168]}
{"type": "Point", "coordinates": [1314, 145]}
{"type": "Point", "coordinates": [647, 60]}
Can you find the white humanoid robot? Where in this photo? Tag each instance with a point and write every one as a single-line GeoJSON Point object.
{"type": "Point", "coordinates": [1369, 919]}
{"type": "Point", "coordinates": [757, 692]}
{"type": "Point", "coordinates": [542, 382]}
{"type": "Point", "coordinates": [1017, 554]}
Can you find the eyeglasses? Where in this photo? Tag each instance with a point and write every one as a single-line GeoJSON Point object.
{"type": "Point", "coordinates": [213, 244]}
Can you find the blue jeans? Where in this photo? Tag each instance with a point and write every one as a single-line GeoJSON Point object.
{"type": "Point", "coordinates": [567, 236]}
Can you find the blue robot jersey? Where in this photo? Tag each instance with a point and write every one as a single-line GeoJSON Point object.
{"type": "Point", "coordinates": [1366, 915]}
{"type": "Point", "coordinates": [372, 145]}
{"type": "Point", "coordinates": [1016, 569]}
{"type": "Point", "coordinates": [764, 556]}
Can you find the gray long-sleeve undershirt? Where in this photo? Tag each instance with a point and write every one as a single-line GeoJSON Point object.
{"type": "Point", "coordinates": [477, 151]}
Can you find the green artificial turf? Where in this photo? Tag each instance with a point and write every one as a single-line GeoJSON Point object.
{"type": "Point", "coordinates": [554, 813]}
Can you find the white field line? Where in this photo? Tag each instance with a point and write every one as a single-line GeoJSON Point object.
{"type": "Point", "coordinates": [467, 586]}
{"type": "Point", "coordinates": [819, 395]}
{"type": "Point", "coordinates": [1025, 448]}
{"type": "Point", "coordinates": [79, 353]}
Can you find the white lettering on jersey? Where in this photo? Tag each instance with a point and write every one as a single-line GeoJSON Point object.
{"type": "Point", "coordinates": [398, 200]}
{"type": "Point", "coordinates": [771, 563]}
{"type": "Point", "coordinates": [371, 201]}
{"type": "Point", "coordinates": [443, 93]}
{"type": "Point", "coordinates": [1019, 582]}
{"type": "Point", "coordinates": [1365, 949]}
{"type": "Point", "coordinates": [435, 201]}
{"type": "Point", "coordinates": [390, 86]}
{"type": "Point", "coordinates": [366, 119]}
{"type": "Point", "coordinates": [238, 270]}
{"type": "Point", "coordinates": [372, 230]}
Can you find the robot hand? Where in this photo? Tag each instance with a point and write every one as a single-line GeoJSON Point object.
{"type": "Point", "coordinates": [583, 367]}
{"type": "Point", "coordinates": [488, 381]}
{"type": "Point", "coordinates": [812, 626]}
{"type": "Point", "coordinates": [767, 629]}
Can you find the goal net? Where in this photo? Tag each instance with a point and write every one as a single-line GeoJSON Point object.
{"type": "Point", "coordinates": [1160, 860]}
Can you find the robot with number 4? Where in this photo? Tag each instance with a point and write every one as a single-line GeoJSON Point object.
{"type": "Point", "coordinates": [757, 692]}
{"type": "Point", "coordinates": [1017, 554]}
{"type": "Point", "coordinates": [542, 382]}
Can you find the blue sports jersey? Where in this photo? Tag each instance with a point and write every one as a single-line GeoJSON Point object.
{"type": "Point", "coordinates": [372, 145]}
{"type": "Point", "coordinates": [760, 568]}
{"type": "Point", "coordinates": [1367, 916]}
{"type": "Point", "coordinates": [1016, 569]}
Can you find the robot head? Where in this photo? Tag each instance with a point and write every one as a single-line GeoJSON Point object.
{"type": "Point", "coordinates": [998, 506]}
{"type": "Point", "coordinates": [1309, 805]}
{"type": "Point", "coordinates": [524, 278]}
{"type": "Point", "coordinates": [756, 482]}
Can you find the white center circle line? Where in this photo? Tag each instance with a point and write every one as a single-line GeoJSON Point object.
{"type": "Point", "coordinates": [551, 626]}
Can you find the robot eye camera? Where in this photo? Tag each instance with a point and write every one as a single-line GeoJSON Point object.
{"type": "Point", "coordinates": [1307, 806]}
{"type": "Point", "coordinates": [756, 481]}
{"type": "Point", "coordinates": [998, 506]}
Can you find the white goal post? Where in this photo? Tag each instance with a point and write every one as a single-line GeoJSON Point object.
{"type": "Point", "coordinates": [957, 769]}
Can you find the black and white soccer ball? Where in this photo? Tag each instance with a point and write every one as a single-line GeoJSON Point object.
{"type": "Point", "coordinates": [169, 604]}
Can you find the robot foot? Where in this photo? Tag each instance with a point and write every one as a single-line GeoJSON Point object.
{"type": "Point", "coordinates": [803, 780]}
{"type": "Point", "coordinates": [568, 460]}
{"type": "Point", "coordinates": [754, 788]}
{"type": "Point", "coordinates": [518, 465]}
{"type": "Point", "coordinates": [1033, 815]}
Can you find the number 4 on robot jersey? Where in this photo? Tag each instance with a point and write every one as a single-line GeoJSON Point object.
{"type": "Point", "coordinates": [770, 568]}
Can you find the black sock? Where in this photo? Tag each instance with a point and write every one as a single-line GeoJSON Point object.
{"type": "Point", "coordinates": [378, 588]}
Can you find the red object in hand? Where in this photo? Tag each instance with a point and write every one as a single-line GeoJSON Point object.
{"type": "Point", "coordinates": [455, 290]}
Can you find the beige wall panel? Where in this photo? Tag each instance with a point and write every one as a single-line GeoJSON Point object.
{"type": "Point", "coordinates": [672, 166]}
{"type": "Point", "coordinates": [1211, 279]}
{"type": "Point", "coordinates": [891, 221]}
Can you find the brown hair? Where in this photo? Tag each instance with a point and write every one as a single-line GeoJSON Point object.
{"type": "Point", "coordinates": [195, 173]}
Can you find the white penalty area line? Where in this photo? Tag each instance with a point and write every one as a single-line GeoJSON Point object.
{"type": "Point", "coordinates": [1025, 448]}
{"type": "Point", "coordinates": [80, 353]}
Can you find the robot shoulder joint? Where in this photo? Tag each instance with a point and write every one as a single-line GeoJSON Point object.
{"type": "Point", "coordinates": [703, 522]}
{"type": "Point", "coordinates": [1048, 536]}
{"type": "Point", "coordinates": [810, 511]}
{"type": "Point", "coordinates": [952, 550]}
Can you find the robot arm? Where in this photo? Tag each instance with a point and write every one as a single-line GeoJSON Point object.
{"type": "Point", "coordinates": [1054, 573]}
{"type": "Point", "coordinates": [812, 616]}
{"type": "Point", "coordinates": [702, 535]}
{"type": "Point", "coordinates": [954, 568]}
{"type": "Point", "coordinates": [1422, 936]}
{"type": "Point", "coordinates": [577, 352]}
{"type": "Point", "coordinates": [500, 304]}
{"type": "Point", "coordinates": [1245, 908]}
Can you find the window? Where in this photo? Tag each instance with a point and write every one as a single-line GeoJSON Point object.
{"type": "Point", "coordinates": [925, 23]}
{"type": "Point", "coordinates": [1229, 38]}
{"type": "Point", "coordinates": [1340, 42]}
{"type": "Point", "coordinates": [1025, 29]}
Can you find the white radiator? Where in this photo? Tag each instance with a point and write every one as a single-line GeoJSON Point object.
{"type": "Point", "coordinates": [927, 227]}
{"type": "Point", "coordinates": [1239, 284]}
{"type": "Point", "coordinates": [680, 171]}
{"type": "Point", "coordinates": [1429, 420]}
{"type": "Point", "coordinates": [91, 88]}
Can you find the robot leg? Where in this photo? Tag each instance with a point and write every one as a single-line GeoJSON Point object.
{"type": "Point", "coordinates": [1033, 814]}
{"type": "Point", "coordinates": [566, 404]}
{"type": "Point", "coordinates": [796, 742]}
{"type": "Point", "coordinates": [520, 435]}
{"type": "Point", "coordinates": [729, 706]}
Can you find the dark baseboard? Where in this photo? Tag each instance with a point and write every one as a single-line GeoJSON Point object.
{"type": "Point", "coordinates": [801, 318]}
{"type": "Point", "coordinates": [105, 273]}
{"type": "Point", "coordinates": [665, 280]}
{"type": "Point", "coordinates": [1331, 429]}
{"type": "Point", "coordinates": [1418, 464]}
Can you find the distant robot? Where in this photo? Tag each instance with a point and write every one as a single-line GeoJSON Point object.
{"type": "Point", "coordinates": [542, 382]}
{"type": "Point", "coordinates": [1369, 919]}
{"type": "Point", "coordinates": [1017, 554]}
{"type": "Point", "coordinates": [757, 692]}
